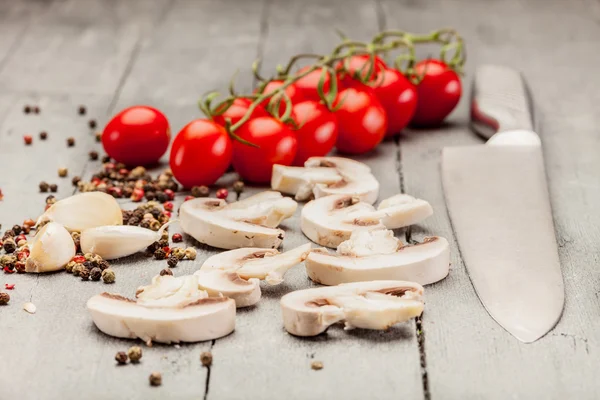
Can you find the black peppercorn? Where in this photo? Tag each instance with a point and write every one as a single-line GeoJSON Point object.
{"type": "Point", "coordinates": [93, 155]}
{"type": "Point", "coordinates": [98, 137]}
{"type": "Point", "coordinates": [145, 223]}
{"type": "Point", "coordinates": [84, 274]}
{"type": "Point", "coordinates": [105, 159]}
{"type": "Point", "coordinates": [162, 197]}
{"type": "Point", "coordinates": [121, 357]}
{"type": "Point", "coordinates": [9, 246]}
{"type": "Point", "coordinates": [36, 110]}
{"type": "Point", "coordinates": [200, 191]}
{"type": "Point", "coordinates": [163, 242]}
{"type": "Point", "coordinates": [134, 221]}
{"type": "Point", "coordinates": [104, 265]}
{"type": "Point", "coordinates": [53, 188]}
{"type": "Point", "coordinates": [160, 254]}
{"type": "Point", "coordinates": [172, 261]}
{"type": "Point", "coordinates": [82, 110]}
{"type": "Point", "coordinates": [166, 271]}
{"type": "Point", "coordinates": [71, 142]}
{"type": "Point", "coordinates": [155, 212]}
{"type": "Point", "coordinates": [150, 196]}
{"type": "Point", "coordinates": [75, 180]}
{"type": "Point", "coordinates": [153, 247]}
{"type": "Point", "coordinates": [44, 187]}
{"type": "Point", "coordinates": [92, 123]}
{"type": "Point", "coordinates": [27, 109]}
{"type": "Point", "coordinates": [96, 274]}
{"type": "Point", "coordinates": [44, 135]}
{"type": "Point", "coordinates": [17, 229]}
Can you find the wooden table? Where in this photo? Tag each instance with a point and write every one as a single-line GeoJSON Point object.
{"type": "Point", "coordinates": [111, 54]}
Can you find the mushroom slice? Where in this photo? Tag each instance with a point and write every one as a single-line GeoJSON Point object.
{"type": "Point", "coordinates": [323, 176]}
{"type": "Point", "coordinates": [367, 305]}
{"type": "Point", "coordinates": [170, 291]}
{"type": "Point", "coordinates": [331, 220]}
{"type": "Point", "coordinates": [373, 255]}
{"type": "Point", "coordinates": [248, 263]}
{"type": "Point", "coordinates": [266, 208]}
{"type": "Point", "coordinates": [213, 222]}
{"type": "Point", "coordinates": [221, 283]}
{"type": "Point", "coordinates": [195, 321]}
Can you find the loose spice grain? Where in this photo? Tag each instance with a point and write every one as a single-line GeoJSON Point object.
{"type": "Point", "coordinates": [108, 275]}
{"type": "Point", "coordinates": [121, 357]}
{"type": "Point", "coordinates": [62, 172]}
{"type": "Point", "coordinates": [43, 135]}
{"type": "Point", "coordinates": [155, 379]}
{"type": "Point", "coordinates": [53, 187]}
{"type": "Point", "coordinates": [27, 139]}
{"type": "Point", "coordinates": [82, 110]}
{"type": "Point", "coordinates": [71, 142]}
{"type": "Point", "coordinates": [4, 298]}
{"type": "Point", "coordinates": [166, 271]}
{"type": "Point", "coordinates": [206, 358]}
{"type": "Point", "coordinates": [135, 354]}
{"type": "Point", "coordinates": [172, 261]}
{"type": "Point", "coordinates": [316, 365]}
{"type": "Point", "coordinates": [93, 155]}
{"type": "Point", "coordinates": [92, 123]}
{"type": "Point", "coordinates": [44, 187]}
{"type": "Point", "coordinates": [96, 274]}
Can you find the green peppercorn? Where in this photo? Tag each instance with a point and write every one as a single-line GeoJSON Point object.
{"type": "Point", "coordinates": [135, 354]}
{"type": "Point", "coordinates": [238, 187]}
{"type": "Point", "coordinates": [69, 266]}
{"type": "Point", "coordinates": [200, 191]}
{"type": "Point", "coordinates": [77, 268]}
{"type": "Point", "coordinates": [155, 225]}
{"type": "Point", "coordinates": [190, 253]}
{"type": "Point", "coordinates": [206, 358]}
{"type": "Point", "coordinates": [178, 252]}
{"type": "Point", "coordinates": [108, 276]}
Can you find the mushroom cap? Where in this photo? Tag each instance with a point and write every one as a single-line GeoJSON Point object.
{"type": "Point", "coordinates": [111, 242]}
{"type": "Point", "coordinates": [424, 263]}
{"type": "Point", "coordinates": [211, 222]}
{"type": "Point", "coordinates": [203, 319]}
{"type": "Point", "coordinates": [229, 284]}
{"type": "Point", "coordinates": [368, 305]}
{"type": "Point", "coordinates": [269, 265]}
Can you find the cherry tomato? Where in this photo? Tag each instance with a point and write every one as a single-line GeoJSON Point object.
{"type": "Point", "coordinates": [438, 93]}
{"type": "Point", "coordinates": [317, 130]}
{"type": "Point", "coordinates": [201, 153]}
{"type": "Point", "coordinates": [237, 110]}
{"type": "Point", "coordinates": [359, 65]}
{"type": "Point", "coordinates": [398, 96]}
{"type": "Point", "coordinates": [362, 120]}
{"type": "Point", "coordinates": [277, 145]}
{"type": "Point", "coordinates": [137, 135]}
{"type": "Point", "coordinates": [292, 92]}
{"type": "Point", "coordinates": [308, 84]}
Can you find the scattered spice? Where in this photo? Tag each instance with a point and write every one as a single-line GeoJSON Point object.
{"type": "Point", "coordinates": [238, 187]}
{"type": "Point", "coordinates": [81, 110]}
{"type": "Point", "coordinates": [168, 206]}
{"type": "Point", "coordinates": [62, 172]}
{"type": "Point", "coordinates": [222, 193]}
{"type": "Point", "coordinates": [50, 199]}
{"type": "Point", "coordinates": [71, 142]}
{"type": "Point", "coordinates": [43, 135]}
{"type": "Point", "coordinates": [96, 274]}
{"type": "Point", "coordinates": [160, 254]}
{"type": "Point", "coordinates": [172, 261]}
{"type": "Point", "coordinates": [200, 191]}
{"type": "Point", "coordinates": [178, 252]}
{"type": "Point", "coordinates": [155, 379]}
{"type": "Point", "coordinates": [108, 276]}
{"type": "Point", "coordinates": [53, 187]}
{"type": "Point", "coordinates": [29, 222]}
{"type": "Point", "coordinates": [4, 298]}
{"type": "Point", "coordinates": [75, 180]}
{"type": "Point", "coordinates": [27, 109]}
{"type": "Point", "coordinates": [44, 187]}
{"type": "Point", "coordinates": [177, 238]}
{"type": "Point", "coordinates": [105, 159]}
{"type": "Point", "coordinates": [27, 139]}
{"type": "Point", "coordinates": [166, 271]}
{"type": "Point", "coordinates": [98, 137]}
{"type": "Point", "coordinates": [84, 273]}
{"type": "Point", "coordinates": [9, 246]}
{"type": "Point", "coordinates": [20, 267]}
{"type": "Point", "coordinates": [134, 353]}
{"type": "Point", "coordinates": [188, 198]}
{"type": "Point", "coordinates": [36, 110]}
{"type": "Point", "coordinates": [206, 358]}
{"type": "Point", "coordinates": [77, 268]}
{"type": "Point", "coordinates": [9, 286]}
{"type": "Point", "coordinates": [121, 357]}
{"type": "Point", "coordinates": [92, 123]}
{"type": "Point", "coordinates": [190, 253]}
{"type": "Point", "coordinates": [30, 308]}
{"type": "Point", "coordinates": [316, 365]}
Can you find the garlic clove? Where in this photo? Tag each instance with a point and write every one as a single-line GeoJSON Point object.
{"type": "Point", "coordinates": [52, 249]}
{"type": "Point", "coordinates": [84, 211]}
{"type": "Point", "coordinates": [111, 242]}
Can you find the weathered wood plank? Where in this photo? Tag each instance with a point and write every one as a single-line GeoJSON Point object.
{"type": "Point", "coordinates": [260, 360]}
{"type": "Point", "coordinates": [461, 339]}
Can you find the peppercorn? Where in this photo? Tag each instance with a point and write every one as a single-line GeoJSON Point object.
{"type": "Point", "coordinates": [134, 221]}
{"type": "Point", "coordinates": [160, 254]}
{"type": "Point", "coordinates": [168, 206]}
{"type": "Point", "coordinates": [44, 187]}
{"type": "Point", "coordinates": [163, 243]}
{"type": "Point", "coordinates": [145, 223]}
{"type": "Point", "coordinates": [62, 172]}
{"type": "Point", "coordinates": [36, 110]}
{"type": "Point", "coordinates": [93, 155]}
{"type": "Point", "coordinates": [170, 194]}
{"type": "Point", "coordinates": [27, 139]}
{"type": "Point", "coordinates": [108, 275]}
{"type": "Point", "coordinates": [104, 265]}
{"type": "Point", "coordinates": [155, 225]}
{"type": "Point", "coordinates": [84, 274]}
{"type": "Point", "coordinates": [200, 191]}
{"type": "Point", "coordinates": [77, 268]}
{"type": "Point", "coordinates": [105, 159]}
{"type": "Point", "coordinates": [316, 365]}
{"type": "Point", "coordinates": [53, 187]}
{"type": "Point", "coordinates": [71, 142]}
{"type": "Point", "coordinates": [155, 379]}
{"type": "Point", "coordinates": [51, 199]}
{"type": "Point", "coordinates": [206, 358]}
{"type": "Point", "coordinates": [172, 261]}
{"type": "Point", "coordinates": [190, 253]}
{"type": "Point", "coordinates": [17, 229]}
{"type": "Point", "coordinates": [153, 247]}
{"type": "Point", "coordinates": [121, 357]}
{"type": "Point", "coordinates": [150, 195]}
{"type": "Point", "coordinates": [9, 246]}
{"type": "Point", "coordinates": [75, 180]}
{"type": "Point", "coordinates": [69, 266]}
{"type": "Point", "coordinates": [4, 298]}
{"type": "Point", "coordinates": [238, 187]}
{"type": "Point", "coordinates": [178, 252]}
{"type": "Point", "coordinates": [166, 271]}
{"type": "Point", "coordinates": [222, 194]}
{"type": "Point", "coordinates": [82, 110]}
{"type": "Point", "coordinates": [188, 198]}
{"type": "Point", "coordinates": [92, 123]}
{"type": "Point", "coordinates": [98, 137]}
{"type": "Point", "coordinates": [96, 274]}
{"type": "Point", "coordinates": [43, 135]}
{"type": "Point", "coordinates": [161, 197]}
{"type": "Point", "coordinates": [177, 238]}
{"type": "Point", "coordinates": [27, 109]}
{"type": "Point", "coordinates": [20, 267]}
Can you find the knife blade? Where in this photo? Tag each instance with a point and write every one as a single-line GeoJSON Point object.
{"type": "Point", "coordinates": [499, 207]}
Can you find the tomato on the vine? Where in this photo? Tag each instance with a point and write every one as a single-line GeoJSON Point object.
{"type": "Point", "coordinates": [362, 120]}
{"type": "Point", "coordinates": [308, 84]}
{"type": "Point", "coordinates": [438, 93]}
{"type": "Point", "coordinates": [359, 65]}
{"type": "Point", "coordinates": [201, 153]}
{"type": "Point", "coordinates": [398, 96]}
{"type": "Point", "coordinates": [277, 145]}
{"type": "Point", "coordinates": [237, 110]}
{"type": "Point", "coordinates": [291, 91]}
{"type": "Point", "coordinates": [137, 135]}
{"type": "Point", "coordinates": [317, 130]}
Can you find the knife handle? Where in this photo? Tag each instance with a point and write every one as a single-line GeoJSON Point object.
{"type": "Point", "coordinates": [501, 102]}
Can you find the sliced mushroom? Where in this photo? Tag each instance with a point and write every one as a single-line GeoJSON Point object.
{"type": "Point", "coordinates": [170, 291]}
{"type": "Point", "coordinates": [269, 265]}
{"type": "Point", "coordinates": [221, 283]}
{"type": "Point", "coordinates": [367, 305]}
{"type": "Point", "coordinates": [323, 176]}
{"type": "Point", "coordinates": [378, 255]}
{"type": "Point", "coordinates": [194, 319]}
{"type": "Point", "coordinates": [331, 220]}
{"type": "Point", "coordinates": [248, 223]}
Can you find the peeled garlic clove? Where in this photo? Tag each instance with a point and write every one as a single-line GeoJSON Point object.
{"type": "Point", "coordinates": [52, 249]}
{"type": "Point", "coordinates": [111, 242]}
{"type": "Point", "coordinates": [84, 211]}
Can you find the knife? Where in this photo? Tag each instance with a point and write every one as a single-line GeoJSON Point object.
{"type": "Point", "coordinates": [497, 198]}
